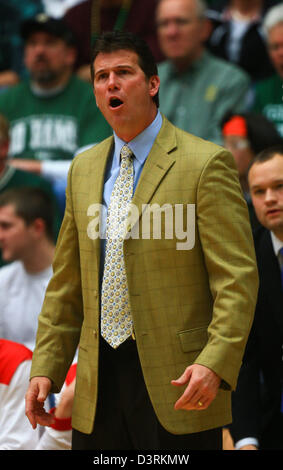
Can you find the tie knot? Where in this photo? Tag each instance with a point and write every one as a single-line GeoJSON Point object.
{"type": "Point", "coordinates": [126, 152]}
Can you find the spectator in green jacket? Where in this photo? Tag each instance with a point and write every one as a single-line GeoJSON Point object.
{"type": "Point", "coordinates": [269, 92]}
{"type": "Point", "coordinates": [197, 89]}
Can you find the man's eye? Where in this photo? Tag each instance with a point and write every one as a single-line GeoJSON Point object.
{"type": "Point", "coordinates": [258, 191]}
{"type": "Point", "coordinates": [102, 76]}
{"type": "Point", "coordinates": [179, 22]}
{"type": "Point", "coordinates": [273, 47]}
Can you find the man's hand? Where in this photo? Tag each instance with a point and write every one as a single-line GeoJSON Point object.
{"type": "Point", "coordinates": [202, 388]}
{"type": "Point", "coordinates": [36, 395]}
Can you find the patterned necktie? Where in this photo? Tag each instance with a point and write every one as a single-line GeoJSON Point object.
{"type": "Point", "coordinates": [116, 319]}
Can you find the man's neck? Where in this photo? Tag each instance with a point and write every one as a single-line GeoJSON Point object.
{"type": "Point", "coordinates": [142, 144]}
{"type": "Point", "coordinates": [127, 136]}
{"type": "Point", "coordinates": [245, 8]}
{"type": "Point", "coordinates": [279, 234]}
{"type": "Point", "coordinates": [185, 63]}
{"type": "Point", "coordinates": [41, 258]}
{"type": "Point", "coordinates": [50, 88]}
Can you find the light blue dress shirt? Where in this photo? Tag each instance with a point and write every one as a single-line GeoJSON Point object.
{"type": "Point", "coordinates": [140, 146]}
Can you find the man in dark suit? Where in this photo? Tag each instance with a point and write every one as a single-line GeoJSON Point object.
{"type": "Point", "coordinates": [257, 402]}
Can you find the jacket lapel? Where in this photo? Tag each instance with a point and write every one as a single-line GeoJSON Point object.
{"type": "Point", "coordinates": [157, 164]}
{"type": "Point", "coordinates": [97, 170]}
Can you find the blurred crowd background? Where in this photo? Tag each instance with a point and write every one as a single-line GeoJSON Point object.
{"type": "Point", "coordinates": [221, 69]}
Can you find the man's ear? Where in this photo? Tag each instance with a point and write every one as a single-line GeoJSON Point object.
{"type": "Point", "coordinates": [154, 84]}
{"type": "Point", "coordinates": [71, 55]}
{"type": "Point", "coordinates": [206, 29]}
{"type": "Point", "coordinates": [38, 227]}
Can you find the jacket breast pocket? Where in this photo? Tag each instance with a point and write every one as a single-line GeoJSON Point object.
{"type": "Point", "coordinates": [194, 339]}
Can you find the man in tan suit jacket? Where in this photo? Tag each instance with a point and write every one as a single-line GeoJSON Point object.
{"type": "Point", "coordinates": [192, 301]}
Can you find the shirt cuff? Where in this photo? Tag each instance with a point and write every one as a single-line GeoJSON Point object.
{"type": "Point", "coordinates": [246, 441]}
{"type": "Point", "coordinates": [61, 424]}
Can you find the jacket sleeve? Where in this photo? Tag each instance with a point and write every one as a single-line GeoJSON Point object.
{"type": "Point", "coordinates": [60, 320]}
{"type": "Point", "coordinates": [229, 255]}
{"type": "Point", "coordinates": [246, 398]}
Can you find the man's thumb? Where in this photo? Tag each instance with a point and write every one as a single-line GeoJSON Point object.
{"type": "Point", "coordinates": [183, 379]}
{"type": "Point", "coordinates": [43, 392]}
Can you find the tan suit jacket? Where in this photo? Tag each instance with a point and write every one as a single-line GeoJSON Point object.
{"type": "Point", "coordinates": [188, 306]}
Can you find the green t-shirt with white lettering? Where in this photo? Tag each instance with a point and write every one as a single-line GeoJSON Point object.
{"type": "Point", "coordinates": [269, 100]}
{"type": "Point", "coordinates": [53, 127]}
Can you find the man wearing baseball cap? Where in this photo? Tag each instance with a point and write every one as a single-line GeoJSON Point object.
{"type": "Point", "coordinates": [52, 114]}
{"type": "Point", "coordinates": [54, 26]}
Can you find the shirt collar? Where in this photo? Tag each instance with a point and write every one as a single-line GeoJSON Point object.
{"type": "Point", "coordinates": [199, 63]}
{"type": "Point", "coordinates": [142, 143]}
{"type": "Point", "coordinates": [277, 244]}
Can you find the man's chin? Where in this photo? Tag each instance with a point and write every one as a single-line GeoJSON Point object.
{"type": "Point", "coordinates": [43, 78]}
{"type": "Point", "coordinates": [274, 225]}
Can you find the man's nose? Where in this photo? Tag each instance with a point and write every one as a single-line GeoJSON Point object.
{"type": "Point", "coordinates": [170, 28]}
{"type": "Point", "coordinates": [112, 81]}
{"type": "Point", "coordinates": [39, 48]}
{"type": "Point", "coordinates": [280, 49]}
{"type": "Point", "coordinates": [270, 196]}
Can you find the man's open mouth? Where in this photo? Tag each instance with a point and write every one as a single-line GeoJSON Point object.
{"type": "Point", "coordinates": [273, 211]}
{"type": "Point", "coordinates": [115, 102]}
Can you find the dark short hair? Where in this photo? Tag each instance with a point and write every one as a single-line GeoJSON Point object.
{"type": "Point", "coordinates": [31, 204]}
{"type": "Point", "coordinates": [113, 41]}
{"type": "Point", "coordinates": [268, 154]}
